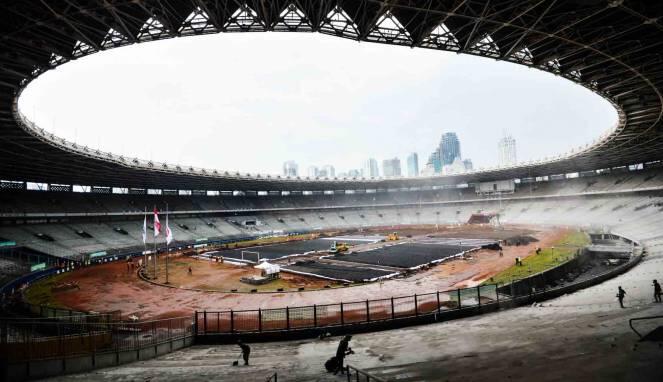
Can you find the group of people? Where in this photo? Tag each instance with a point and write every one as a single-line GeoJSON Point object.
{"type": "Point", "coordinates": [621, 293]}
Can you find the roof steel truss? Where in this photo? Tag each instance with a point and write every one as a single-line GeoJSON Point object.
{"type": "Point", "coordinates": [612, 47]}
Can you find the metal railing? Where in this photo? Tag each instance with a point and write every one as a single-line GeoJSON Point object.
{"type": "Point", "coordinates": [70, 315]}
{"type": "Point", "coordinates": [436, 306]}
{"type": "Point", "coordinates": [22, 340]}
{"type": "Point", "coordinates": [632, 320]}
{"type": "Point", "coordinates": [357, 375]}
{"type": "Point", "coordinates": [273, 378]}
{"type": "Point", "coordinates": [343, 313]}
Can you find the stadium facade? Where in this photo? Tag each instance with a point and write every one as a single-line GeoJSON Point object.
{"type": "Point", "coordinates": [614, 52]}
{"type": "Point", "coordinates": [612, 48]}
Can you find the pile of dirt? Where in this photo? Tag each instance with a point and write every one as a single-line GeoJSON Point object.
{"type": "Point", "coordinates": [520, 240]}
{"type": "Point", "coordinates": [492, 247]}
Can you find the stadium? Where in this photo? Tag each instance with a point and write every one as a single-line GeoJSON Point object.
{"type": "Point", "coordinates": [505, 273]}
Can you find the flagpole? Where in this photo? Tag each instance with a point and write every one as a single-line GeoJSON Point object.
{"type": "Point", "coordinates": [155, 244]}
{"type": "Point", "coordinates": [145, 240]}
{"type": "Point", "coordinates": [167, 244]}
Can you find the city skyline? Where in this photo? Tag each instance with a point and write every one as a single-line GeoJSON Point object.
{"type": "Point", "coordinates": [296, 98]}
{"type": "Point", "coordinates": [438, 163]}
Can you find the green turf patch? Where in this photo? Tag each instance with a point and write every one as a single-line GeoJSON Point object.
{"type": "Point", "coordinates": [40, 293]}
{"type": "Point", "coordinates": [563, 251]}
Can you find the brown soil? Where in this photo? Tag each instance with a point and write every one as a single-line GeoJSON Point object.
{"type": "Point", "coordinates": [111, 287]}
{"type": "Point", "coordinates": [210, 275]}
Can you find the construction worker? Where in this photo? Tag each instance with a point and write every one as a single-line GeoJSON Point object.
{"type": "Point", "coordinates": [657, 291]}
{"type": "Point", "coordinates": [342, 350]}
{"type": "Point", "coordinates": [620, 295]}
{"type": "Point", "coordinates": [246, 350]}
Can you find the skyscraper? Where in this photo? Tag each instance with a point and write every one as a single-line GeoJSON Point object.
{"type": "Point", "coordinates": [290, 168]}
{"type": "Point", "coordinates": [506, 151]}
{"type": "Point", "coordinates": [370, 168]}
{"type": "Point", "coordinates": [413, 164]}
{"type": "Point", "coordinates": [328, 171]}
{"type": "Point", "coordinates": [449, 148]}
{"type": "Point", "coordinates": [435, 162]}
{"type": "Point", "coordinates": [391, 167]}
{"type": "Point", "coordinates": [445, 154]}
{"type": "Point", "coordinates": [313, 172]}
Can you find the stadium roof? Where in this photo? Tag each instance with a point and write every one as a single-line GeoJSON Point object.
{"type": "Point", "coordinates": [614, 48]}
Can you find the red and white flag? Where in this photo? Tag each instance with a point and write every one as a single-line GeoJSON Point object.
{"type": "Point", "coordinates": [169, 233]}
{"type": "Point", "coordinates": [157, 224]}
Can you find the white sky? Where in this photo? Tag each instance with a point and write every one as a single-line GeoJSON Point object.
{"type": "Point", "coordinates": [250, 102]}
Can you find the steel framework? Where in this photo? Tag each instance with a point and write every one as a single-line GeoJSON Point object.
{"type": "Point", "coordinates": [612, 47]}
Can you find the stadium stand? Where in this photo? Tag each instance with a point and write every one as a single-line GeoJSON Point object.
{"type": "Point", "coordinates": [634, 194]}
{"type": "Point", "coordinates": [612, 48]}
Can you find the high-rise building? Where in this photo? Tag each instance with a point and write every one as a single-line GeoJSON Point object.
{"type": "Point", "coordinates": [468, 164]}
{"type": "Point", "coordinates": [370, 168]}
{"type": "Point", "coordinates": [290, 168]}
{"type": "Point", "coordinates": [506, 151]}
{"type": "Point", "coordinates": [449, 148]}
{"type": "Point", "coordinates": [413, 164]}
{"type": "Point", "coordinates": [313, 172]}
{"type": "Point", "coordinates": [445, 154]}
{"type": "Point", "coordinates": [328, 171]}
{"type": "Point", "coordinates": [391, 167]}
{"type": "Point", "coordinates": [435, 162]}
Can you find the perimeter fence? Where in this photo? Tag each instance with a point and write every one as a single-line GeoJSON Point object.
{"type": "Point", "coordinates": [39, 312]}
{"type": "Point", "coordinates": [65, 337]}
{"type": "Point", "coordinates": [344, 313]}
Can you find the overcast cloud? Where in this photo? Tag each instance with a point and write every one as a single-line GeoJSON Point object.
{"type": "Point", "coordinates": [251, 101]}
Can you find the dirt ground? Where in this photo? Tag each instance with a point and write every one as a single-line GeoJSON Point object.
{"type": "Point", "coordinates": [210, 275]}
{"type": "Point", "coordinates": [484, 264]}
{"type": "Point", "coordinates": [111, 287]}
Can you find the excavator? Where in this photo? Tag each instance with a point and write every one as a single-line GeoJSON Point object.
{"type": "Point", "coordinates": [393, 236]}
{"type": "Point", "coordinates": [338, 248]}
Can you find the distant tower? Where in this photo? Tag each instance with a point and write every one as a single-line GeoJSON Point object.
{"type": "Point", "coordinates": [329, 171]}
{"type": "Point", "coordinates": [413, 164]}
{"type": "Point", "coordinates": [313, 172]}
{"type": "Point", "coordinates": [391, 167]}
{"type": "Point", "coordinates": [290, 168]}
{"type": "Point", "coordinates": [434, 162]}
{"type": "Point", "coordinates": [506, 151]}
{"type": "Point", "coordinates": [370, 168]}
{"type": "Point", "coordinates": [449, 148]}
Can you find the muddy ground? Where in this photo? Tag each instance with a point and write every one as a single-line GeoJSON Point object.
{"type": "Point", "coordinates": [111, 287]}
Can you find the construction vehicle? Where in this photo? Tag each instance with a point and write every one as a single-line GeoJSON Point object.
{"type": "Point", "coordinates": [338, 247]}
{"type": "Point", "coordinates": [393, 236]}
